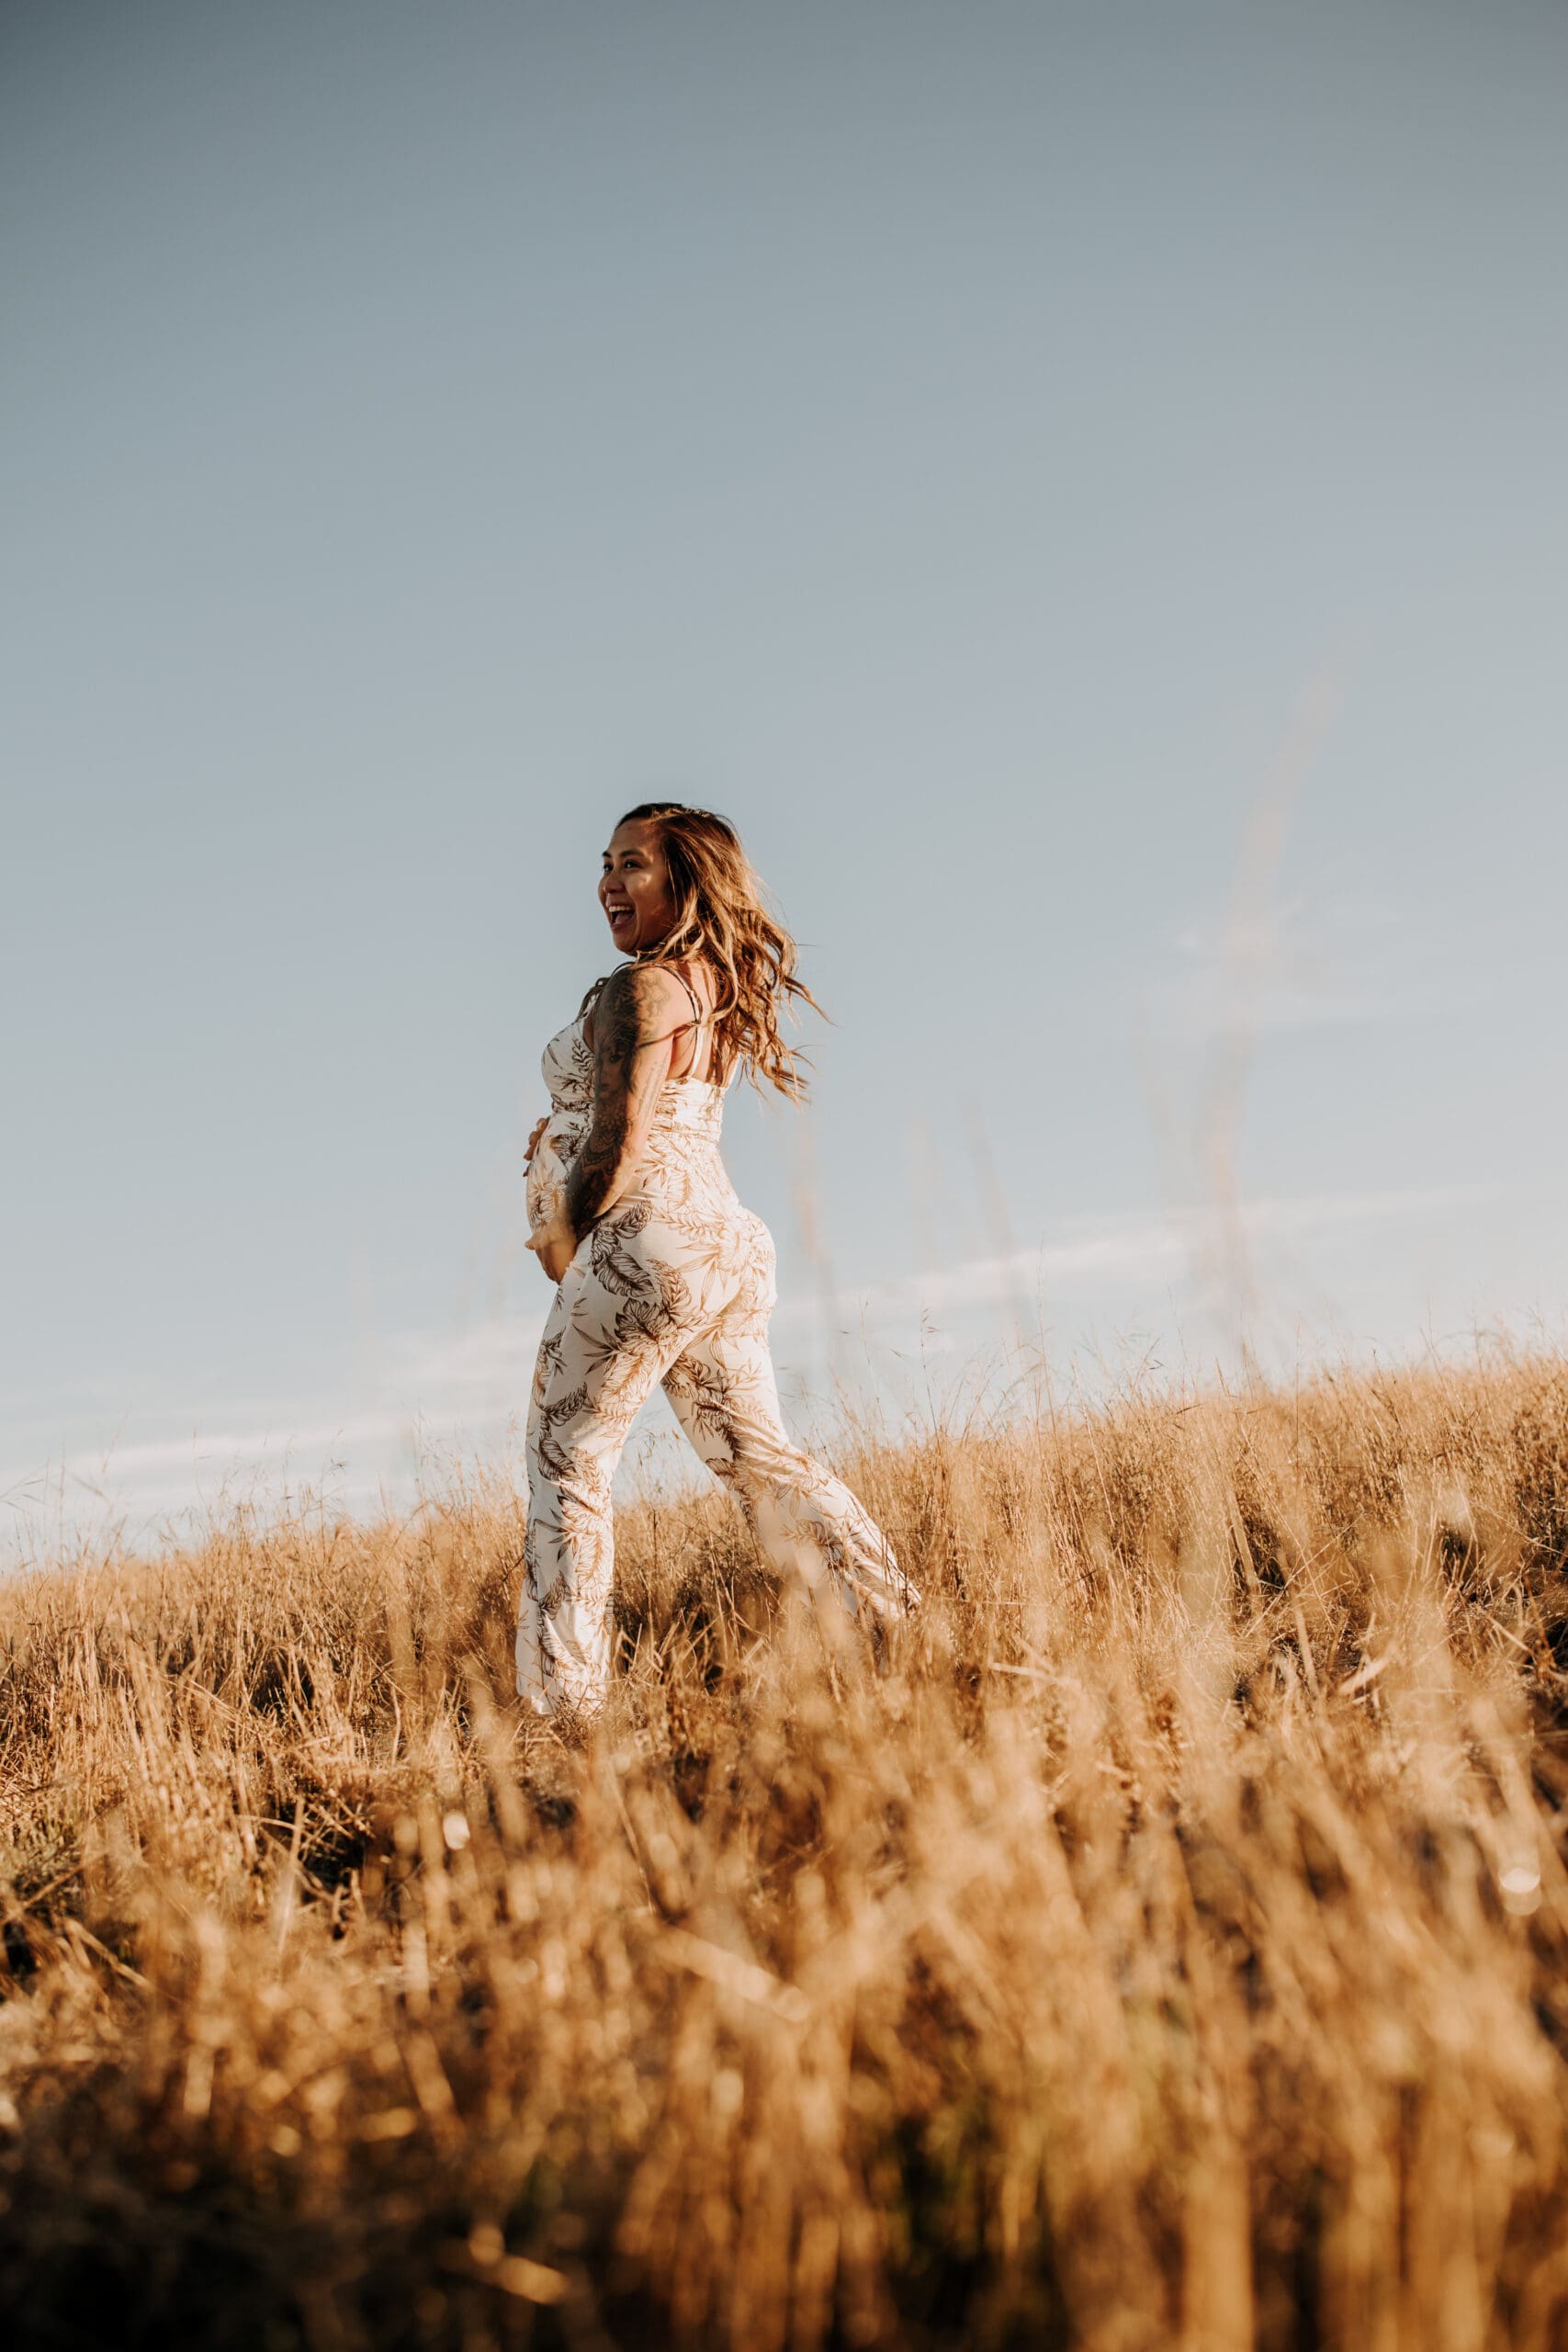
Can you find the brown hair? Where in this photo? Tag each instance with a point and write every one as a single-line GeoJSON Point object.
{"type": "Point", "coordinates": [723, 919]}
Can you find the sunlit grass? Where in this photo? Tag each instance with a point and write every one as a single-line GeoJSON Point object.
{"type": "Point", "coordinates": [1165, 1948]}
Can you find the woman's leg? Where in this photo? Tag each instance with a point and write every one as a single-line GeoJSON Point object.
{"type": "Point", "coordinates": [723, 1393]}
{"type": "Point", "coordinates": [616, 1322]}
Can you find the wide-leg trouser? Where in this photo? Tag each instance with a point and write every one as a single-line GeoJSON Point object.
{"type": "Point", "coordinates": [647, 1299]}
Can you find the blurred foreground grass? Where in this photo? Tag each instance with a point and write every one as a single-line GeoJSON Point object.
{"type": "Point", "coordinates": [1166, 1948]}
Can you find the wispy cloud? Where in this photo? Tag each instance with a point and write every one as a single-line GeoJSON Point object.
{"type": "Point", "coordinates": [465, 1391]}
{"type": "Point", "coordinates": [1133, 1251]}
{"type": "Point", "coordinates": [493, 1355]}
{"type": "Point", "coordinates": [237, 1447]}
{"type": "Point", "coordinates": [1348, 961]}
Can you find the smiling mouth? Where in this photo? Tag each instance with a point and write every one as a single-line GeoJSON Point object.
{"type": "Point", "coordinates": [619, 914]}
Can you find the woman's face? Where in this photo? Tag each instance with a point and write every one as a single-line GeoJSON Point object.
{"type": "Point", "coordinates": [634, 888]}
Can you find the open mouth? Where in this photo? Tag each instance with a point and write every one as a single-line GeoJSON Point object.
{"type": "Point", "coordinates": [618, 915]}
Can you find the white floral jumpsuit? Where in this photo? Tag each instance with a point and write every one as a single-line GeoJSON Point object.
{"type": "Point", "coordinates": [675, 1283]}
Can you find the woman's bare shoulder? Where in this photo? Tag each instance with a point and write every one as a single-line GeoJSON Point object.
{"type": "Point", "coordinates": [636, 1001]}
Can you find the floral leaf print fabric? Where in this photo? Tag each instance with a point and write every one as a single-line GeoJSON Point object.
{"type": "Point", "coordinates": [675, 1283]}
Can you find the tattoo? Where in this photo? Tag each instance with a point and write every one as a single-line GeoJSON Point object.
{"type": "Point", "coordinates": [631, 1061]}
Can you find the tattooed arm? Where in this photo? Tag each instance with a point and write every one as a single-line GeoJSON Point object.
{"type": "Point", "coordinates": [635, 1018]}
{"type": "Point", "coordinates": [634, 1027]}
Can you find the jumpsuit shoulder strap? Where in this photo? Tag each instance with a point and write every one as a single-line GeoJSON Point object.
{"type": "Point", "coordinates": [701, 1018]}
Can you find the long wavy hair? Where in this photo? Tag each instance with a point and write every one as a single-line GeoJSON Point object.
{"type": "Point", "coordinates": [723, 919]}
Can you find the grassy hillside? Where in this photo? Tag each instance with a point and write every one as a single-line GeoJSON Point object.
{"type": "Point", "coordinates": [1166, 1949]}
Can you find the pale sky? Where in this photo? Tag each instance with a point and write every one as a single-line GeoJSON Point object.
{"type": "Point", "coordinates": [1084, 488]}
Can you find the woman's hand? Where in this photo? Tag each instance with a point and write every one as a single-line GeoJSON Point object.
{"type": "Point", "coordinates": [539, 1127]}
{"type": "Point", "coordinates": [555, 1246]}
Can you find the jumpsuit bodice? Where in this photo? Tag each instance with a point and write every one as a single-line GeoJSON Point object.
{"type": "Point", "coordinates": [683, 1148]}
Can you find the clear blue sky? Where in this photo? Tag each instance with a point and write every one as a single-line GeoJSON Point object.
{"type": "Point", "coordinates": [999, 453]}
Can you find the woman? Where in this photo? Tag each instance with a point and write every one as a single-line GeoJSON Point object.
{"type": "Point", "coordinates": [661, 1274]}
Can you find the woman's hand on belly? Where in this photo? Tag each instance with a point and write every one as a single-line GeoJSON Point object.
{"type": "Point", "coordinates": [554, 1244]}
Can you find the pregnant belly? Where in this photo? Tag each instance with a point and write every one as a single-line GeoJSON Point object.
{"type": "Point", "coordinates": [545, 1192]}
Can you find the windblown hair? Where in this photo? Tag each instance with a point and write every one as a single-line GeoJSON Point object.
{"type": "Point", "coordinates": [722, 919]}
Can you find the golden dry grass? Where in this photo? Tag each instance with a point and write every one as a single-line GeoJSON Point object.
{"type": "Point", "coordinates": [1165, 1950]}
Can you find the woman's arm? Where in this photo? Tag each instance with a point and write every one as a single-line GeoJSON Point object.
{"type": "Point", "coordinates": [633, 1031]}
{"type": "Point", "coordinates": [635, 1019]}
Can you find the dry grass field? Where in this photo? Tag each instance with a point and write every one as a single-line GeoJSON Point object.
{"type": "Point", "coordinates": [1165, 1946]}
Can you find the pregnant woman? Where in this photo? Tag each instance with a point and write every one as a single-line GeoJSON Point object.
{"type": "Point", "coordinates": [660, 1272]}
